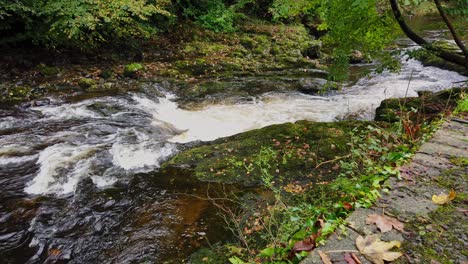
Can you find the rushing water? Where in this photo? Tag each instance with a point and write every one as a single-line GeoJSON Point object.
{"type": "Point", "coordinates": [80, 182]}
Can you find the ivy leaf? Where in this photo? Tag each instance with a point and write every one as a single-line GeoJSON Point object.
{"type": "Point", "coordinates": [384, 223]}
{"type": "Point", "coordinates": [376, 250]}
{"type": "Point", "coordinates": [443, 198]}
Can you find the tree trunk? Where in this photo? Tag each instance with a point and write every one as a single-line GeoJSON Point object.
{"type": "Point", "coordinates": [441, 53]}
{"type": "Point", "coordinates": [455, 36]}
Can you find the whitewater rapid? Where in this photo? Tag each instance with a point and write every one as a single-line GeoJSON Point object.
{"type": "Point", "coordinates": [109, 138]}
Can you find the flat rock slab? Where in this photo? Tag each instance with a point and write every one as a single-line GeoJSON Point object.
{"type": "Point", "coordinates": [410, 201]}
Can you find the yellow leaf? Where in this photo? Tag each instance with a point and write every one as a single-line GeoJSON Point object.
{"type": "Point", "coordinates": [444, 198]}
{"type": "Point", "coordinates": [376, 250]}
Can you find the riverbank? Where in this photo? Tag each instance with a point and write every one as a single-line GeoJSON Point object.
{"type": "Point", "coordinates": [195, 64]}
{"type": "Point", "coordinates": [424, 211]}
{"type": "Point", "coordinates": [317, 173]}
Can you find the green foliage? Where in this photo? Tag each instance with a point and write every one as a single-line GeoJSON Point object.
{"type": "Point", "coordinates": [356, 25]}
{"type": "Point", "coordinates": [296, 211]}
{"type": "Point", "coordinates": [286, 9]}
{"type": "Point", "coordinates": [84, 24]}
{"type": "Point", "coordinates": [462, 106]}
{"type": "Point", "coordinates": [213, 14]}
{"type": "Point", "coordinates": [457, 7]}
{"type": "Point", "coordinates": [364, 25]}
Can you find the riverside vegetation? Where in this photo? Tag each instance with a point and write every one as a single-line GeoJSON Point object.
{"type": "Point", "coordinates": [317, 174]}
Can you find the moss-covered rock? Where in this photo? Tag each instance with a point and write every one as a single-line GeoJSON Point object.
{"type": "Point", "coordinates": [131, 70]}
{"type": "Point", "coordinates": [87, 83]}
{"type": "Point", "coordinates": [47, 70]}
{"type": "Point", "coordinates": [428, 105]}
{"type": "Point", "coordinates": [287, 151]}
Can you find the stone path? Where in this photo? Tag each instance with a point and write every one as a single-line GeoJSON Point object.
{"type": "Point", "coordinates": [433, 234]}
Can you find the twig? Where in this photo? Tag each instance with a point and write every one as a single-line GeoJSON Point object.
{"type": "Point", "coordinates": [328, 161]}
{"type": "Point", "coordinates": [342, 251]}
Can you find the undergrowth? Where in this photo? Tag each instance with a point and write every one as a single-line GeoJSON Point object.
{"type": "Point", "coordinates": [297, 217]}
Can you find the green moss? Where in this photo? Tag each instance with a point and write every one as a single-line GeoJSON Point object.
{"type": "Point", "coordinates": [132, 69]}
{"type": "Point", "coordinates": [459, 161]}
{"type": "Point", "coordinates": [205, 47]}
{"type": "Point", "coordinates": [47, 70]}
{"type": "Point", "coordinates": [87, 83]}
{"type": "Point", "coordinates": [248, 43]}
{"type": "Point", "coordinates": [298, 149]}
{"type": "Point", "coordinates": [15, 93]}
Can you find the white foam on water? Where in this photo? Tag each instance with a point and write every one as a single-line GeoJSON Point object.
{"type": "Point", "coordinates": [16, 160]}
{"type": "Point", "coordinates": [215, 121]}
{"type": "Point", "coordinates": [61, 167]}
{"type": "Point", "coordinates": [147, 137]}
{"type": "Point", "coordinates": [142, 152]}
{"type": "Point", "coordinates": [67, 111]}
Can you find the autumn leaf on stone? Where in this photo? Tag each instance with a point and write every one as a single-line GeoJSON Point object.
{"type": "Point", "coordinates": [384, 223]}
{"type": "Point", "coordinates": [350, 258]}
{"type": "Point", "coordinates": [376, 250]}
{"type": "Point", "coordinates": [444, 198]}
{"type": "Point", "coordinates": [324, 257]}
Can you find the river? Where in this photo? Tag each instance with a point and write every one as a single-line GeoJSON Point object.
{"type": "Point", "coordinates": [80, 181]}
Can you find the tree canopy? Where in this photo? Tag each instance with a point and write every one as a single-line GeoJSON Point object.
{"type": "Point", "coordinates": [365, 25]}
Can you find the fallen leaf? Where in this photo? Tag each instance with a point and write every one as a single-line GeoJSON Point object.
{"type": "Point", "coordinates": [54, 252]}
{"type": "Point", "coordinates": [304, 245]}
{"type": "Point", "coordinates": [349, 259]}
{"type": "Point", "coordinates": [324, 257]}
{"type": "Point", "coordinates": [347, 206]}
{"type": "Point", "coordinates": [376, 250]}
{"type": "Point", "coordinates": [384, 223]}
{"type": "Point", "coordinates": [356, 258]}
{"type": "Point", "coordinates": [443, 198]}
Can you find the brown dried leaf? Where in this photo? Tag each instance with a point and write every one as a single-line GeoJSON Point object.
{"type": "Point", "coordinates": [54, 252]}
{"type": "Point", "coordinates": [349, 259]}
{"type": "Point", "coordinates": [356, 258]}
{"type": "Point", "coordinates": [304, 245]}
{"type": "Point", "coordinates": [384, 223]}
{"type": "Point", "coordinates": [376, 250]}
{"type": "Point", "coordinates": [324, 257]}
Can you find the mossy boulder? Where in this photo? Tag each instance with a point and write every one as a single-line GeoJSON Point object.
{"type": "Point", "coordinates": [132, 70]}
{"type": "Point", "coordinates": [290, 151]}
{"type": "Point", "coordinates": [47, 70]}
{"type": "Point", "coordinates": [87, 83]}
{"type": "Point", "coordinates": [428, 105]}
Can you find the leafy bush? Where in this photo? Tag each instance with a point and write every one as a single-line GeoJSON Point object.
{"type": "Point", "coordinates": [213, 14]}
{"type": "Point", "coordinates": [82, 23]}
